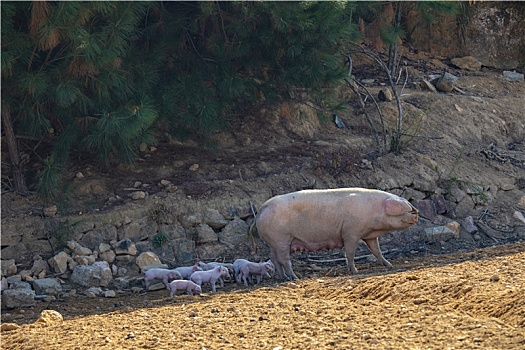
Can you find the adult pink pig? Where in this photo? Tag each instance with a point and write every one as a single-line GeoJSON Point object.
{"type": "Point", "coordinates": [313, 220]}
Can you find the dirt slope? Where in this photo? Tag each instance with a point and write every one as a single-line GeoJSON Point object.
{"type": "Point", "coordinates": [473, 300]}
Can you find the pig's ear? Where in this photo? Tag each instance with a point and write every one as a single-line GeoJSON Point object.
{"type": "Point", "coordinates": [396, 207]}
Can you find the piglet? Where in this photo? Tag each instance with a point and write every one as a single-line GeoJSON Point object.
{"type": "Point", "coordinates": [188, 286]}
{"type": "Point", "coordinates": [164, 274]}
{"type": "Point", "coordinates": [237, 268]}
{"type": "Point", "coordinates": [256, 269]}
{"type": "Point", "coordinates": [210, 276]}
{"type": "Point", "coordinates": [186, 271]}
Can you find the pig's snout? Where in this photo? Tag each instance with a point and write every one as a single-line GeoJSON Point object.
{"type": "Point", "coordinates": [411, 217]}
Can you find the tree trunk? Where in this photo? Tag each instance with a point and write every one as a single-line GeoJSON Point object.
{"type": "Point", "coordinates": [18, 177]}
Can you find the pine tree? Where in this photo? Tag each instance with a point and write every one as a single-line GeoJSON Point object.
{"type": "Point", "coordinates": [62, 71]}
{"type": "Point", "coordinates": [101, 77]}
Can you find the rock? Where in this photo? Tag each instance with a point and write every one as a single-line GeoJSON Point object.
{"type": "Point", "coordinates": [385, 95]}
{"type": "Point", "coordinates": [136, 290]}
{"type": "Point", "coordinates": [95, 290]}
{"type": "Point", "coordinates": [16, 298]}
{"type": "Point", "coordinates": [50, 317]}
{"type": "Point", "coordinates": [98, 274]}
{"type": "Point", "coordinates": [518, 216]}
{"type": "Point", "coordinates": [40, 266]}
{"type": "Point", "coordinates": [3, 285]}
{"type": "Point", "coordinates": [147, 259]}
{"type": "Point", "coordinates": [50, 211]}
{"type": "Point", "coordinates": [190, 220]}
{"type": "Point", "coordinates": [79, 175]}
{"type": "Point", "coordinates": [214, 219]}
{"type": "Point", "coordinates": [522, 201]}
{"type": "Point", "coordinates": [125, 247]}
{"type": "Point", "coordinates": [440, 203]}
{"type": "Point", "coordinates": [108, 256]}
{"type": "Point", "coordinates": [71, 264]}
{"type": "Point", "coordinates": [103, 247]}
{"type": "Point", "coordinates": [183, 249]}
{"type": "Point", "coordinates": [428, 85]}
{"type": "Point", "coordinates": [59, 262]}
{"type": "Point", "coordinates": [138, 195]}
{"type": "Point", "coordinates": [446, 82]}
{"type": "Point", "coordinates": [137, 184]}
{"type": "Point", "coordinates": [13, 279]}
{"type": "Point", "coordinates": [93, 238]}
{"type": "Point", "coordinates": [205, 234]}
{"type": "Point", "coordinates": [468, 225]}
{"type": "Point", "coordinates": [6, 327]}
{"type": "Point", "coordinates": [41, 246]}
{"type": "Point", "coordinates": [110, 294]}
{"type": "Point", "coordinates": [157, 286]}
{"type": "Point", "coordinates": [438, 233]}
{"type": "Point", "coordinates": [454, 226]}
{"type": "Point", "coordinates": [26, 275]}
{"type": "Point", "coordinates": [512, 76]}
{"type": "Point", "coordinates": [122, 271]}
{"type": "Point", "coordinates": [13, 251]}
{"type": "Point", "coordinates": [8, 267]}
{"type": "Point", "coordinates": [467, 63]}
{"type": "Point", "coordinates": [137, 230]}
{"type": "Point", "coordinates": [234, 233]}
{"type": "Point", "coordinates": [426, 207]}
{"type": "Point", "coordinates": [125, 258]}
{"type": "Point", "coordinates": [21, 285]}
{"type": "Point", "coordinates": [367, 81]}
{"type": "Point", "coordinates": [49, 298]}
{"type": "Point", "coordinates": [80, 250]}
{"type": "Point", "coordinates": [81, 227]}
{"type": "Point", "coordinates": [10, 238]}
{"type": "Point", "coordinates": [47, 286]}
{"type": "Point", "coordinates": [85, 260]}
{"type": "Point", "coordinates": [212, 250]}
{"type": "Point", "coordinates": [338, 121]}
{"type": "Point", "coordinates": [72, 245]}
{"type": "Point", "coordinates": [457, 195]}
{"type": "Point", "coordinates": [465, 207]}
{"type": "Point", "coordinates": [121, 283]}
{"type": "Point", "coordinates": [165, 183]}
{"type": "Point", "coordinates": [428, 162]}
{"type": "Point", "coordinates": [194, 167]}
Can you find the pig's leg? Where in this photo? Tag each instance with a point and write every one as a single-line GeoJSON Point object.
{"type": "Point", "coordinates": [278, 266]}
{"type": "Point", "coordinates": [373, 245]}
{"type": "Point", "coordinates": [350, 248]}
{"type": "Point", "coordinates": [242, 275]}
{"type": "Point", "coordinates": [165, 280]}
{"type": "Point", "coordinates": [213, 288]}
{"type": "Point", "coordinates": [282, 258]}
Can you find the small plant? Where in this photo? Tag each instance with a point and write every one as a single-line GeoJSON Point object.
{"type": "Point", "coordinates": [48, 181]}
{"type": "Point", "coordinates": [159, 239]}
{"type": "Point", "coordinates": [58, 231]}
{"type": "Point", "coordinates": [160, 214]}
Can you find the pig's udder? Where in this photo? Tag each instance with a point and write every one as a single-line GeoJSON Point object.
{"type": "Point", "coordinates": [298, 245]}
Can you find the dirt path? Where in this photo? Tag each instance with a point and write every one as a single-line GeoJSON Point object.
{"type": "Point", "coordinates": [456, 301]}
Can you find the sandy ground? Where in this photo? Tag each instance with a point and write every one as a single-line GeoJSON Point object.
{"type": "Point", "coordinates": [472, 300]}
